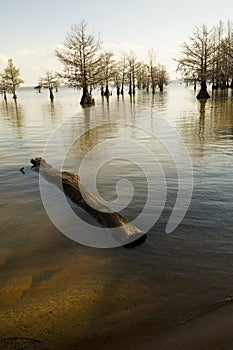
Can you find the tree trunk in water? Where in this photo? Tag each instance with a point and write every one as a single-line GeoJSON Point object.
{"type": "Point", "coordinates": [133, 84]}
{"type": "Point", "coordinates": [203, 92]}
{"type": "Point", "coordinates": [161, 87]}
{"type": "Point", "coordinates": [87, 99]}
{"type": "Point", "coordinates": [130, 85]}
{"type": "Point", "coordinates": [130, 88]}
{"type": "Point", "coordinates": [122, 89]}
{"type": "Point", "coordinates": [4, 94]}
{"type": "Point", "coordinates": [102, 90]}
{"type": "Point", "coordinates": [106, 92]}
{"type": "Point", "coordinates": [223, 85]}
{"type": "Point", "coordinates": [51, 94]}
{"type": "Point", "coordinates": [14, 95]}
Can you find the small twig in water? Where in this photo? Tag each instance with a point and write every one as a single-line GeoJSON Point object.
{"type": "Point", "coordinates": [21, 338]}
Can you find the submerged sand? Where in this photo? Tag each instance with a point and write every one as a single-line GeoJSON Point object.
{"type": "Point", "coordinates": [56, 294]}
{"type": "Point", "coordinates": [210, 331]}
{"type": "Point", "coordinates": [73, 301]}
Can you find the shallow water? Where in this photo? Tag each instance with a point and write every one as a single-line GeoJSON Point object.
{"type": "Point", "coordinates": [51, 286]}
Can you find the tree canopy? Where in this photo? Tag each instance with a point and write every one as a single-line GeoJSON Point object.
{"type": "Point", "coordinates": [80, 60]}
{"type": "Point", "coordinates": [207, 58]}
{"type": "Point", "coordinates": [49, 81]}
{"type": "Point", "coordinates": [86, 66]}
{"type": "Point", "coordinates": [10, 79]}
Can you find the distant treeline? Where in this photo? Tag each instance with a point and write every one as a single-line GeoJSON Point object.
{"type": "Point", "coordinates": [88, 66]}
{"type": "Point", "coordinates": [207, 58]}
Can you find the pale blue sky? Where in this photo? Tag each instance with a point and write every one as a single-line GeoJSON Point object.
{"type": "Point", "coordinates": [30, 30]}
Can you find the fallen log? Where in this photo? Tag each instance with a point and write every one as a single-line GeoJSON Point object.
{"type": "Point", "coordinates": [69, 183]}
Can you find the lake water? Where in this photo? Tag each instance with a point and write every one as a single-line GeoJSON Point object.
{"type": "Point", "coordinates": [55, 290]}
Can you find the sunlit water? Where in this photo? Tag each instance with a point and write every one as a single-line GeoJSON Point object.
{"type": "Point", "coordinates": [50, 284]}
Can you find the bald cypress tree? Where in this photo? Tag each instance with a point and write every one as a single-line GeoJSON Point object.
{"type": "Point", "coordinates": [79, 56]}
{"type": "Point", "coordinates": [11, 77]}
{"type": "Point", "coordinates": [197, 57]}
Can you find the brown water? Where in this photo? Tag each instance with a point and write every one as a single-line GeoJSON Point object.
{"type": "Point", "coordinates": [59, 292]}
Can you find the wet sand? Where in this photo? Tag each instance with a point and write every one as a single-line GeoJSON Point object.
{"type": "Point", "coordinates": [59, 296]}
{"type": "Point", "coordinates": [210, 331]}
{"type": "Point", "coordinates": [56, 294]}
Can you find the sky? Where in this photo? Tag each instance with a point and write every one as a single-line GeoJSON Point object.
{"type": "Point", "coordinates": [32, 30]}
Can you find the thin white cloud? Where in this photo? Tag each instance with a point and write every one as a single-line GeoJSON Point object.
{"type": "Point", "coordinates": [126, 48]}
{"type": "Point", "coordinates": [34, 63]}
{"type": "Point", "coordinates": [25, 52]}
{"type": "Point", "coordinates": [3, 61]}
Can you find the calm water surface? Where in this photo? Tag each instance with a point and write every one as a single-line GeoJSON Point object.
{"type": "Point", "coordinates": [51, 286]}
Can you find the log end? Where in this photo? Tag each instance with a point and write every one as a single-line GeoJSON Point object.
{"type": "Point", "coordinates": [136, 243]}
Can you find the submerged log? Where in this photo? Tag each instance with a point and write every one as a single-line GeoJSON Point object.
{"type": "Point", "coordinates": [69, 183]}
